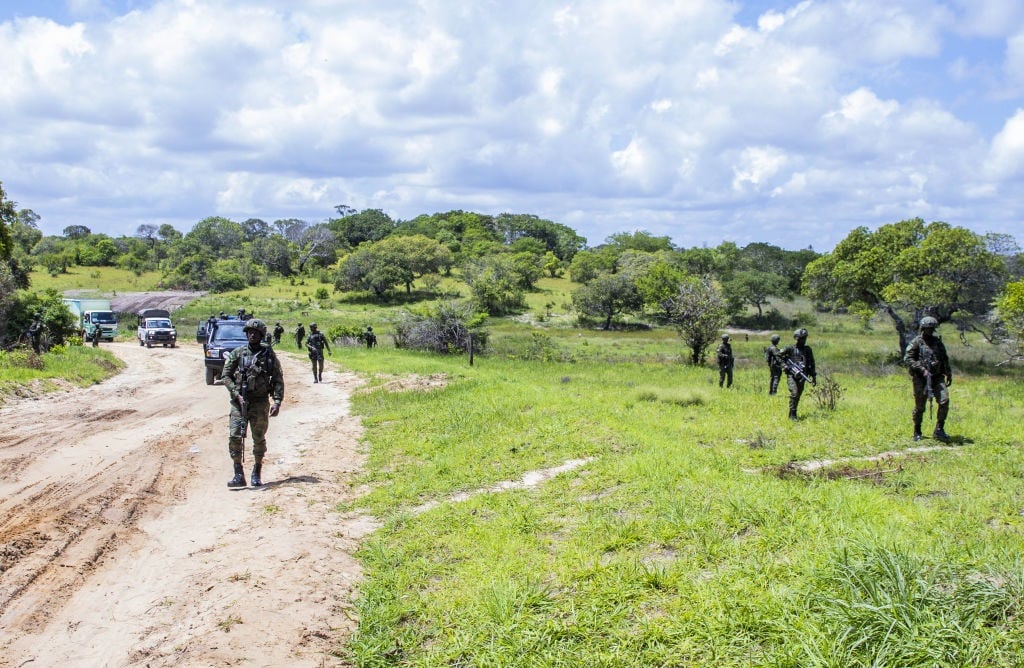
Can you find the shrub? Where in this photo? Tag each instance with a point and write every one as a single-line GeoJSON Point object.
{"type": "Point", "coordinates": [444, 329]}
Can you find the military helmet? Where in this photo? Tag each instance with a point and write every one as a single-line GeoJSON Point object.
{"type": "Point", "coordinates": [312, 325]}
{"type": "Point", "coordinates": [725, 337]}
{"type": "Point", "coordinates": [800, 333]}
{"type": "Point", "coordinates": [775, 338]}
{"type": "Point", "coordinates": [929, 322]}
{"type": "Point", "coordinates": [256, 324]}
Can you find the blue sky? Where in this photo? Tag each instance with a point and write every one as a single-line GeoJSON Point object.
{"type": "Point", "coordinates": [701, 120]}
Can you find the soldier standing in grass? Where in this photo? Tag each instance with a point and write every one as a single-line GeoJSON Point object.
{"type": "Point", "coordinates": [370, 337]}
{"type": "Point", "coordinates": [253, 376]}
{"type": "Point", "coordinates": [725, 362]}
{"type": "Point", "coordinates": [300, 334]}
{"type": "Point", "coordinates": [315, 344]}
{"type": "Point", "coordinates": [798, 362]}
{"type": "Point", "coordinates": [278, 331]}
{"type": "Point", "coordinates": [928, 363]}
{"type": "Point", "coordinates": [35, 332]}
{"type": "Point", "coordinates": [771, 355]}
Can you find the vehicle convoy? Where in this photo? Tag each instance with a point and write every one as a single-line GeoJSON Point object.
{"type": "Point", "coordinates": [91, 312]}
{"type": "Point", "coordinates": [155, 328]}
{"type": "Point", "coordinates": [223, 336]}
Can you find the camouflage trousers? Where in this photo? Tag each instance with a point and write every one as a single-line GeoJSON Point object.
{"type": "Point", "coordinates": [257, 414]}
{"type": "Point", "coordinates": [725, 375]}
{"type": "Point", "coordinates": [796, 389]}
{"type": "Point", "coordinates": [940, 393]}
{"type": "Point", "coordinates": [773, 379]}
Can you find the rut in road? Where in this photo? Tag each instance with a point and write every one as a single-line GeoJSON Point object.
{"type": "Point", "coordinates": [121, 545]}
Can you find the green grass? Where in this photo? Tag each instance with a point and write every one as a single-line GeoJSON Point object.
{"type": "Point", "coordinates": [680, 542]}
{"type": "Point", "coordinates": [24, 373]}
{"type": "Point", "coordinates": [689, 536]}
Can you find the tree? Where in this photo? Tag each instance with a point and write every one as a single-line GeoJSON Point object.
{"type": "Point", "coordinates": [699, 311]}
{"type": "Point", "coordinates": [496, 284]}
{"type": "Point", "coordinates": [14, 275]}
{"type": "Point", "coordinates": [639, 240]}
{"type": "Point", "coordinates": [587, 265]}
{"type": "Point", "coordinates": [255, 228]}
{"type": "Point", "coordinates": [908, 270]}
{"type": "Point", "coordinates": [317, 243]}
{"type": "Point", "coordinates": [148, 233]}
{"type": "Point", "coordinates": [357, 228]}
{"type": "Point", "coordinates": [395, 260]}
{"type": "Point", "coordinates": [753, 287]}
{"type": "Point", "coordinates": [1010, 310]}
{"type": "Point", "coordinates": [76, 232]}
{"type": "Point", "coordinates": [659, 286]}
{"type": "Point", "coordinates": [607, 296]}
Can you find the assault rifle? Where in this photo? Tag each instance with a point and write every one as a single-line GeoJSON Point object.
{"type": "Point", "coordinates": [927, 360]}
{"type": "Point", "coordinates": [796, 370]}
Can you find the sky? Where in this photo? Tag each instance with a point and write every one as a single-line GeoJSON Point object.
{"type": "Point", "coordinates": [705, 121]}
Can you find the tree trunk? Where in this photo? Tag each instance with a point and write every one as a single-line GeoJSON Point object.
{"type": "Point", "coordinates": [901, 327]}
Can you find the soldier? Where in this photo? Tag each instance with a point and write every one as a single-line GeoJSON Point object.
{"type": "Point", "coordinates": [300, 334]}
{"type": "Point", "coordinates": [725, 362]}
{"type": "Point", "coordinates": [928, 363]}
{"type": "Point", "coordinates": [371, 338]}
{"type": "Point", "coordinates": [315, 344]}
{"type": "Point", "coordinates": [94, 333]}
{"type": "Point", "coordinates": [35, 332]}
{"type": "Point", "coordinates": [278, 331]}
{"type": "Point", "coordinates": [798, 362]}
{"type": "Point", "coordinates": [252, 374]}
{"type": "Point", "coordinates": [771, 355]}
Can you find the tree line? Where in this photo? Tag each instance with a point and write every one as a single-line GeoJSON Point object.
{"type": "Point", "coordinates": [905, 270]}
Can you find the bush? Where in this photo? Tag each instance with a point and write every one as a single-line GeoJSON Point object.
{"type": "Point", "coordinates": [444, 329]}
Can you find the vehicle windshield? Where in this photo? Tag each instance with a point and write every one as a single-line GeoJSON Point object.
{"type": "Point", "coordinates": [158, 323]}
{"type": "Point", "coordinates": [105, 317]}
{"type": "Point", "coordinates": [229, 332]}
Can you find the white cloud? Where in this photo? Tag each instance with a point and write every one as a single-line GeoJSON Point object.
{"type": "Point", "coordinates": [1006, 157]}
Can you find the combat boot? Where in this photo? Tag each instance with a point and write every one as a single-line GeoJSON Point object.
{"type": "Point", "coordinates": [255, 479]}
{"type": "Point", "coordinates": [239, 479]}
{"type": "Point", "coordinates": [940, 434]}
{"type": "Point", "coordinates": [917, 431]}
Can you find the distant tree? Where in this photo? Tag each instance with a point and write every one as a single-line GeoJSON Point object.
{"type": "Point", "coordinates": [908, 270]}
{"type": "Point", "coordinates": [607, 296]}
{"type": "Point", "coordinates": [291, 229]}
{"type": "Point", "coordinates": [754, 287]}
{"type": "Point", "coordinates": [639, 240]}
{"type": "Point", "coordinates": [76, 232]}
{"type": "Point", "coordinates": [1010, 310]}
{"type": "Point", "coordinates": [553, 265]}
{"type": "Point", "coordinates": [659, 286]}
{"type": "Point", "coordinates": [275, 253]}
{"type": "Point", "coordinates": [588, 264]}
{"type": "Point", "coordinates": [148, 233]}
{"type": "Point", "coordinates": [699, 261]}
{"type": "Point", "coordinates": [396, 260]}
{"type": "Point", "coordinates": [14, 274]}
{"type": "Point", "coordinates": [496, 283]}
{"type": "Point", "coordinates": [217, 236]}
{"type": "Point", "coordinates": [255, 228]}
{"type": "Point", "coordinates": [168, 233]}
{"type": "Point", "coordinates": [317, 243]}
{"type": "Point", "coordinates": [699, 311]}
{"type": "Point", "coordinates": [357, 228]}
{"type": "Point", "coordinates": [559, 239]}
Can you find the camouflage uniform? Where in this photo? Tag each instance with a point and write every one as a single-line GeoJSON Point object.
{"type": "Point", "coordinates": [928, 363]}
{"type": "Point", "coordinates": [260, 371]}
{"type": "Point", "coordinates": [725, 362]}
{"type": "Point", "coordinates": [771, 356]}
{"type": "Point", "coordinates": [35, 333]}
{"type": "Point", "coordinates": [315, 344]}
{"type": "Point", "coordinates": [278, 331]}
{"type": "Point", "coordinates": [300, 334]}
{"type": "Point", "coordinates": [802, 356]}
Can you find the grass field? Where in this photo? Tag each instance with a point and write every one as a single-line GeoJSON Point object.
{"type": "Point", "coordinates": [584, 498]}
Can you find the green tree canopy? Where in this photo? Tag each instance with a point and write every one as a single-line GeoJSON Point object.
{"type": "Point", "coordinates": [908, 270]}
{"type": "Point", "coordinates": [607, 296]}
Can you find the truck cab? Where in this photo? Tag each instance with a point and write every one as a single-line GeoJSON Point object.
{"type": "Point", "coordinates": [155, 328]}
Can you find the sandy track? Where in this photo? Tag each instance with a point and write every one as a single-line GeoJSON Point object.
{"type": "Point", "coordinates": [120, 544]}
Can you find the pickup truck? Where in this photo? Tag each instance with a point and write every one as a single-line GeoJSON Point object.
{"type": "Point", "coordinates": [224, 336]}
{"type": "Point", "coordinates": [155, 328]}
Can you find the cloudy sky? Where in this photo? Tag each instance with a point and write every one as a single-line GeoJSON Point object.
{"type": "Point", "coordinates": [702, 120]}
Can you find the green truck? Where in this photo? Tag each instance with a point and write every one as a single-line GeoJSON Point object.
{"type": "Point", "coordinates": [94, 311]}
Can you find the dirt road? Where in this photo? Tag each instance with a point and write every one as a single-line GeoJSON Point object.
{"type": "Point", "coordinates": [120, 544]}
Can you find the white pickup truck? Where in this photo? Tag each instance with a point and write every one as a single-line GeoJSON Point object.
{"type": "Point", "coordinates": [155, 328]}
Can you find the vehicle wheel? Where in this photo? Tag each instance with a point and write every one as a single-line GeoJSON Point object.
{"type": "Point", "coordinates": [148, 344]}
{"type": "Point", "coordinates": [173, 346]}
{"type": "Point", "coordinates": [210, 375]}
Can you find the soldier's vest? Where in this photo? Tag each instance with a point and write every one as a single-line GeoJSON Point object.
{"type": "Point", "coordinates": [255, 371]}
{"type": "Point", "coordinates": [797, 355]}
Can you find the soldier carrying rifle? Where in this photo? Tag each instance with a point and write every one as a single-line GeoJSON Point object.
{"type": "Point", "coordinates": [928, 363]}
{"type": "Point", "coordinates": [798, 363]}
{"type": "Point", "coordinates": [252, 375]}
